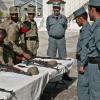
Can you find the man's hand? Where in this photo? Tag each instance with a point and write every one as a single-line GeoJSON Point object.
{"type": "Point", "coordinates": [81, 70]}
{"type": "Point", "coordinates": [26, 56]}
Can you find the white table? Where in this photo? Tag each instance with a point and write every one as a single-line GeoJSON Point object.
{"type": "Point", "coordinates": [25, 87]}
{"type": "Point", "coordinates": [31, 87]}
{"type": "Point", "coordinates": [63, 66]}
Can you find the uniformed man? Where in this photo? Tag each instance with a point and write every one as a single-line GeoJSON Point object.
{"type": "Point", "coordinates": [56, 25]}
{"type": "Point", "coordinates": [94, 51]}
{"type": "Point", "coordinates": [81, 53]}
{"type": "Point", "coordinates": [12, 28]}
{"type": "Point", "coordinates": [6, 53]}
{"type": "Point", "coordinates": [31, 35]}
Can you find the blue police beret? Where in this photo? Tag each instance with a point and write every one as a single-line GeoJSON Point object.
{"type": "Point", "coordinates": [56, 4]}
{"type": "Point", "coordinates": [94, 2]}
{"type": "Point", "coordinates": [79, 12]}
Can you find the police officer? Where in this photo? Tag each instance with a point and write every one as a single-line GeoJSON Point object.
{"type": "Point", "coordinates": [31, 36]}
{"type": "Point", "coordinates": [56, 25]}
{"type": "Point", "coordinates": [6, 54]}
{"type": "Point", "coordinates": [12, 28]}
{"type": "Point", "coordinates": [94, 51]}
{"type": "Point", "coordinates": [81, 53]}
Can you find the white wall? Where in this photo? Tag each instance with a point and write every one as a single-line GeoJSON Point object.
{"type": "Point", "coordinates": [8, 4]}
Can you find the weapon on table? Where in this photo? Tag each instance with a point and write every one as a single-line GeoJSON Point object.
{"type": "Point", "coordinates": [57, 58]}
{"type": "Point", "coordinates": [10, 68]}
{"type": "Point", "coordinates": [47, 64]}
{"type": "Point", "coordinates": [8, 91]}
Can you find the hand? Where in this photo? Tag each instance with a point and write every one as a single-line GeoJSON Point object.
{"type": "Point", "coordinates": [26, 56]}
{"type": "Point", "coordinates": [81, 70]}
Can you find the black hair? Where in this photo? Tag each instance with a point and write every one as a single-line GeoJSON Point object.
{"type": "Point", "coordinates": [96, 7]}
{"type": "Point", "coordinates": [3, 32]}
{"type": "Point", "coordinates": [85, 15]}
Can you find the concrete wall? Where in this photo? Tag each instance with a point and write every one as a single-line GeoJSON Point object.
{"type": "Point", "coordinates": [5, 5]}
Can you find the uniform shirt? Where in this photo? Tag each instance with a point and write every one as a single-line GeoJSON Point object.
{"type": "Point", "coordinates": [82, 41]}
{"type": "Point", "coordinates": [94, 42]}
{"type": "Point", "coordinates": [56, 26]}
{"type": "Point", "coordinates": [13, 34]}
{"type": "Point", "coordinates": [33, 31]}
{"type": "Point", "coordinates": [6, 54]}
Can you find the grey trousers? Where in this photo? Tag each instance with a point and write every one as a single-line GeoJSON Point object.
{"type": "Point", "coordinates": [57, 45]}
{"type": "Point", "coordinates": [94, 81]}
{"type": "Point", "coordinates": [83, 85]}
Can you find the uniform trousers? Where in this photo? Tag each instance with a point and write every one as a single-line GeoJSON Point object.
{"type": "Point", "coordinates": [94, 81]}
{"type": "Point", "coordinates": [83, 84]}
{"type": "Point", "coordinates": [57, 44]}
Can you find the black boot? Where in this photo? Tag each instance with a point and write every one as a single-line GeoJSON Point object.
{"type": "Point", "coordinates": [66, 77]}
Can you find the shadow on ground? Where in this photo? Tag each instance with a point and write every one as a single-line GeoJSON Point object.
{"type": "Point", "coordinates": [53, 89]}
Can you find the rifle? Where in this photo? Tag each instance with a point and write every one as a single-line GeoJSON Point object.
{"type": "Point", "coordinates": [42, 63]}
{"type": "Point", "coordinates": [57, 58]}
{"type": "Point", "coordinates": [10, 68]}
{"type": "Point", "coordinates": [8, 91]}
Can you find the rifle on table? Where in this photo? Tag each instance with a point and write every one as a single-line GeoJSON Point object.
{"type": "Point", "coordinates": [8, 91]}
{"type": "Point", "coordinates": [47, 64]}
{"type": "Point", "coordinates": [57, 58]}
{"type": "Point", "coordinates": [10, 68]}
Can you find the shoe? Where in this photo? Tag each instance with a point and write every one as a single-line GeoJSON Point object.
{"type": "Point", "coordinates": [66, 77]}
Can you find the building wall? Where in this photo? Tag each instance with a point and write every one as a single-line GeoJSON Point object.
{"type": "Point", "coordinates": [72, 5]}
{"type": "Point", "coordinates": [5, 5]}
{"type": "Point", "coordinates": [68, 9]}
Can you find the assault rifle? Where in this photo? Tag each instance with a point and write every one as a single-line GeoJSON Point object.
{"type": "Point", "coordinates": [57, 58]}
{"type": "Point", "coordinates": [8, 91]}
{"type": "Point", "coordinates": [10, 68]}
{"type": "Point", "coordinates": [48, 64]}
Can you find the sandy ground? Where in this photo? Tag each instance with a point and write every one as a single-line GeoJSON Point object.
{"type": "Point", "coordinates": [66, 90]}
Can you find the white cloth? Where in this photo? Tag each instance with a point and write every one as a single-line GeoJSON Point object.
{"type": "Point", "coordinates": [25, 87]}
{"type": "Point", "coordinates": [31, 87]}
{"type": "Point", "coordinates": [63, 66]}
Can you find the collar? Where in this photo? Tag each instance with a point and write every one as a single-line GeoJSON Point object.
{"type": "Point", "coordinates": [96, 23]}
{"type": "Point", "coordinates": [59, 16]}
{"type": "Point", "coordinates": [85, 26]}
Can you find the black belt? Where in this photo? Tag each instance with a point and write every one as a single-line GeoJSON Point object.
{"type": "Point", "coordinates": [94, 60]}
{"type": "Point", "coordinates": [32, 38]}
{"type": "Point", "coordinates": [78, 57]}
{"type": "Point", "coordinates": [57, 37]}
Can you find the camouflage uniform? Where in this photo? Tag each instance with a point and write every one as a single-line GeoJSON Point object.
{"type": "Point", "coordinates": [31, 36]}
{"type": "Point", "coordinates": [13, 35]}
{"type": "Point", "coordinates": [6, 54]}
{"type": "Point", "coordinates": [32, 41]}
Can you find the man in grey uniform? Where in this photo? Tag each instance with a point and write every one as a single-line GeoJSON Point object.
{"type": "Point", "coordinates": [56, 25]}
{"type": "Point", "coordinates": [82, 84]}
{"type": "Point", "coordinates": [94, 51]}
